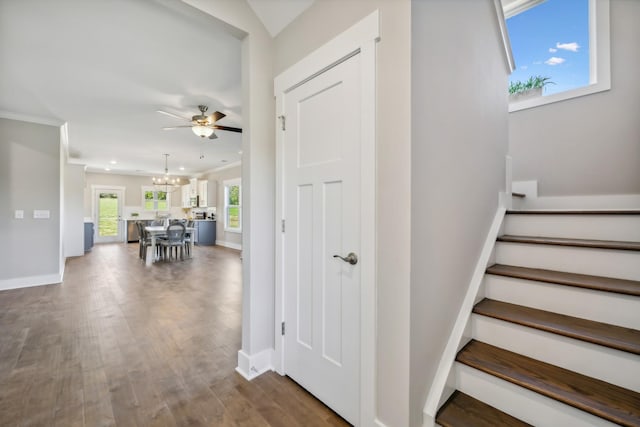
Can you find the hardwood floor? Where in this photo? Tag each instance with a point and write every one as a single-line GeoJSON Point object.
{"type": "Point", "coordinates": [121, 344]}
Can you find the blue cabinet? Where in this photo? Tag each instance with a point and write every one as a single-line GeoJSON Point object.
{"type": "Point", "coordinates": [88, 236]}
{"type": "Point", "coordinates": [205, 233]}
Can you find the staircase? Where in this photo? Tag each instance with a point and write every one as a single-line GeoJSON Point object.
{"type": "Point", "coordinates": [555, 341]}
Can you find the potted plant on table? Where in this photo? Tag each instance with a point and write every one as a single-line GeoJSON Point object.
{"type": "Point", "coordinates": [531, 88]}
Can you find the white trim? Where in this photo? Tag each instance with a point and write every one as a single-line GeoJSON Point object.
{"type": "Point", "coordinates": [31, 119]}
{"type": "Point", "coordinates": [29, 281]}
{"type": "Point", "coordinates": [359, 39]}
{"type": "Point", "coordinates": [231, 245]}
{"type": "Point", "coordinates": [600, 61]}
{"type": "Point", "coordinates": [504, 34]}
{"type": "Point", "coordinates": [448, 356]}
{"type": "Point", "coordinates": [251, 366]}
{"type": "Point", "coordinates": [378, 423]}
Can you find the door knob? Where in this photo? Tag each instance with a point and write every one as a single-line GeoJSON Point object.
{"type": "Point", "coordinates": [351, 258]}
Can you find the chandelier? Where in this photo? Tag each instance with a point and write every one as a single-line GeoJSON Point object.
{"type": "Point", "coordinates": [166, 181]}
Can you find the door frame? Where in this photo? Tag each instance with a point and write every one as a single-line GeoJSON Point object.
{"type": "Point", "coordinates": [95, 189]}
{"type": "Point", "coordinates": [361, 40]}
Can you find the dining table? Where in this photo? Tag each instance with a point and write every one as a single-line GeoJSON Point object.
{"type": "Point", "coordinates": [156, 231]}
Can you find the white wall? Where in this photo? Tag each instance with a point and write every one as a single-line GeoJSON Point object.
{"type": "Point", "coordinates": [29, 180]}
{"type": "Point", "coordinates": [318, 24]}
{"type": "Point", "coordinates": [224, 237]}
{"type": "Point", "coordinates": [458, 145]}
{"type": "Point", "coordinates": [588, 145]}
{"type": "Point", "coordinates": [73, 210]}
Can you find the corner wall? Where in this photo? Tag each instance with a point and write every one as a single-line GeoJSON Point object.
{"type": "Point", "coordinates": [458, 146]}
{"type": "Point", "coordinates": [588, 145]}
{"type": "Point", "coordinates": [29, 180]}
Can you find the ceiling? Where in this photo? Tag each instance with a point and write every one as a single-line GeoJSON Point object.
{"type": "Point", "coordinates": [105, 67]}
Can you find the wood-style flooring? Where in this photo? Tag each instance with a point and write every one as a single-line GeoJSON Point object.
{"type": "Point", "coordinates": [121, 344]}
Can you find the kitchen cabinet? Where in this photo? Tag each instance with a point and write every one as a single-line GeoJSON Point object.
{"type": "Point", "coordinates": [193, 187]}
{"type": "Point", "coordinates": [203, 193]}
{"type": "Point", "coordinates": [88, 236]}
{"type": "Point", "coordinates": [212, 193]}
{"type": "Point", "coordinates": [205, 234]}
{"type": "Point", "coordinates": [186, 196]}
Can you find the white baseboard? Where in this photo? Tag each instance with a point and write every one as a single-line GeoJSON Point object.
{"type": "Point", "coordinates": [237, 246]}
{"type": "Point", "coordinates": [27, 282]}
{"type": "Point", "coordinates": [251, 366]}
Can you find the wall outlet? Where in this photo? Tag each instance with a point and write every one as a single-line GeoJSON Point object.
{"type": "Point", "coordinates": [19, 214]}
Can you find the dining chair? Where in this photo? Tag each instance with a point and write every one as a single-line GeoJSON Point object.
{"type": "Point", "coordinates": [145, 240]}
{"type": "Point", "coordinates": [174, 239]}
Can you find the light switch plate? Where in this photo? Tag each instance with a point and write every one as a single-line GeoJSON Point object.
{"type": "Point", "coordinates": [19, 214]}
{"type": "Point", "coordinates": [41, 214]}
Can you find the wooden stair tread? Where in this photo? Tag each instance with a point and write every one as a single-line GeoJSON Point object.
{"type": "Point", "coordinates": [520, 195]}
{"type": "Point", "coordinates": [462, 410]}
{"type": "Point", "coordinates": [607, 284]}
{"type": "Point", "coordinates": [583, 243]}
{"type": "Point", "coordinates": [574, 212]}
{"type": "Point", "coordinates": [596, 397]}
{"type": "Point", "coordinates": [617, 337]}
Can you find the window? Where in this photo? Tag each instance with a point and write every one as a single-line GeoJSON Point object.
{"type": "Point", "coordinates": [564, 40]}
{"type": "Point", "coordinates": [154, 199]}
{"type": "Point", "coordinates": [233, 205]}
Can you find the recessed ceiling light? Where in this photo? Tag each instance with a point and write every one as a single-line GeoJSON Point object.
{"type": "Point", "coordinates": [240, 152]}
{"type": "Point", "coordinates": [181, 168]}
{"type": "Point", "coordinates": [113, 162]}
{"type": "Point", "coordinates": [107, 169]}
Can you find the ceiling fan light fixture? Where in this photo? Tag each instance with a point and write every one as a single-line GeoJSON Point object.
{"type": "Point", "coordinates": [202, 131]}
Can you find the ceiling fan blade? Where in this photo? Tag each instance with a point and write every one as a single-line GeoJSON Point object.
{"type": "Point", "coordinates": [230, 129]}
{"type": "Point", "coordinates": [213, 136]}
{"type": "Point", "coordinates": [217, 116]}
{"type": "Point", "coordinates": [175, 116]}
{"type": "Point", "coordinates": [176, 127]}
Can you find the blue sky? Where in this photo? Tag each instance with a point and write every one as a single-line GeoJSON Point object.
{"type": "Point", "coordinates": [552, 40]}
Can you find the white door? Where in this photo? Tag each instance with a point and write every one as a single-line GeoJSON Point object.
{"type": "Point", "coordinates": [108, 215]}
{"type": "Point", "coordinates": [321, 193]}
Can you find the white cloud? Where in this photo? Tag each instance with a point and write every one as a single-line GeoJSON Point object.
{"type": "Point", "coordinates": [573, 47]}
{"type": "Point", "coordinates": [552, 50]}
{"type": "Point", "coordinates": [524, 67]}
{"type": "Point", "coordinates": [554, 60]}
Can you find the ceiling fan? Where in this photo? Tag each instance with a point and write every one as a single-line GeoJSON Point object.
{"type": "Point", "coordinates": [201, 124]}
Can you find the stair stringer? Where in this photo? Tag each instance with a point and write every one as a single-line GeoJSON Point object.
{"type": "Point", "coordinates": [438, 392]}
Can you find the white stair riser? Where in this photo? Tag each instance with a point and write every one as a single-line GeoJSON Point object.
{"type": "Point", "coordinates": [605, 307]}
{"type": "Point", "coordinates": [603, 363]}
{"type": "Point", "coordinates": [521, 403]}
{"type": "Point", "coordinates": [599, 262]}
{"type": "Point", "coordinates": [624, 228]}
